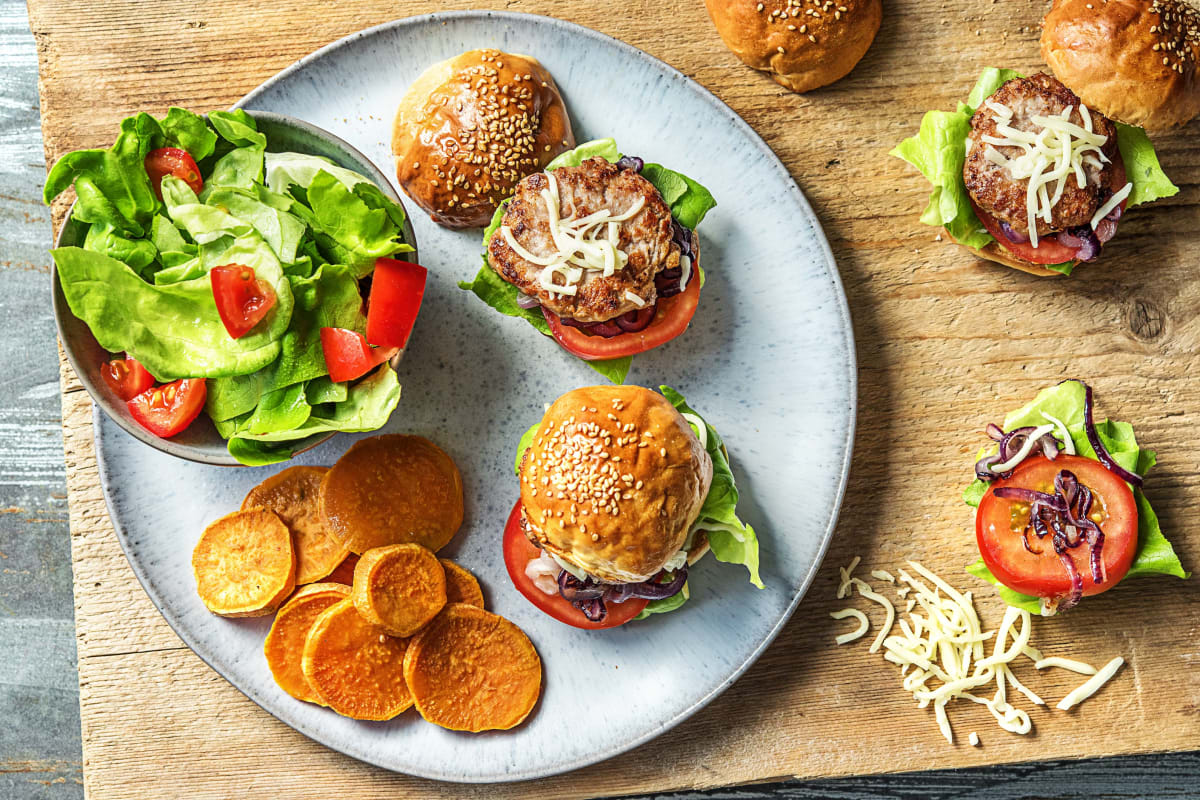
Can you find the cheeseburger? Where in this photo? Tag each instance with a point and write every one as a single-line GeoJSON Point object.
{"type": "Point", "coordinates": [1030, 174]}
{"type": "Point", "coordinates": [600, 251]}
{"type": "Point", "coordinates": [617, 501]}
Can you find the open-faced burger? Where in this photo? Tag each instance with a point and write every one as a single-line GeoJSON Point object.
{"type": "Point", "coordinates": [1036, 172]}
{"type": "Point", "coordinates": [599, 251]}
{"type": "Point", "coordinates": [622, 489]}
{"type": "Point", "coordinates": [1061, 514]}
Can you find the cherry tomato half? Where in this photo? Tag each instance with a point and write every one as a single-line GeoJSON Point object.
{"type": "Point", "coordinates": [999, 526]}
{"type": "Point", "coordinates": [672, 318]}
{"type": "Point", "coordinates": [166, 410]}
{"type": "Point", "coordinates": [348, 356]}
{"type": "Point", "coordinates": [397, 288]}
{"type": "Point", "coordinates": [519, 551]}
{"type": "Point", "coordinates": [1048, 251]}
{"type": "Point", "coordinates": [126, 377]}
{"type": "Point", "coordinates": [172, 161]}
{"type": "Point", "coordinates": [242, 299]}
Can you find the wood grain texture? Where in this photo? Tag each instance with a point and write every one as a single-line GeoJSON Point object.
{"type": "Point", "coordinates": [945, 344]}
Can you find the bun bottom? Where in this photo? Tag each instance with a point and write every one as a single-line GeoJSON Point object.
{"type": "Point", "coordinates": [995, 252]}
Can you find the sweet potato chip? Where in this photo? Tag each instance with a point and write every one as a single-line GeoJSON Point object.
{"type": "Point", "coordinates": [393, 489]}
{"type": "Point", "coordinates": [471, 670]}
{"type": "Point", "coordinates": [399, 587]}
{"type": "Point", "coordinates": [284, 646]}
{"type": "Point", "coordinates": [244, 564]}
{"type": "Point", "coordinates": [354, 667]}
{"type": "Point", "coordinates": [461, 585]}
{"type": "Point", "coordinates": [344, 572]}
{"type": "Point", "coordinates": [294, 496]}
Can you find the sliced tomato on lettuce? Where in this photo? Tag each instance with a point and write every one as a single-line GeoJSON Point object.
{"type": "Point", "coordinates": [348, 356]}
{"type": "Point", "coordinates": [167, 410]}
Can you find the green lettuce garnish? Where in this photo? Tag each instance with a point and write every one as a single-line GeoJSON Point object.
{"type": "Point", "coordinates": [939, 152]}
{"type": "Point", "coordinates": [731, 540]}
{"type": "Point", "coordinates": [689, 202]}
{"type": "Point", "coordinates": [1155, 556]}
{"type": "Point", "coordinates": [306, 226]}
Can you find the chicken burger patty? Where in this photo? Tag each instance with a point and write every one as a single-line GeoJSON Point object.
{"type": "Point", "coordinates": [594, 186]}
{"type": "Point", "coordinates": [993, 187]}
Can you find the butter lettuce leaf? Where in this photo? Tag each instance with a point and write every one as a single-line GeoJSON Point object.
{"type": "Point", "coordinates": [731, 540]}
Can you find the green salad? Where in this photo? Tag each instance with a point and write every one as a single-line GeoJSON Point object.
{"type": "Point", "coordinates": [219, 268]}
{"type": "Point", "coordinates": [1065, 408]}
{"type": "Point", "coordinates": [939, 151]}
{"type": "Point", "coordinates": [689, 203]}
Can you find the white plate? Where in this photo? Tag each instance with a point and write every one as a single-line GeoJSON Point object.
{"type": "Point", "coordinates": [769, 360]}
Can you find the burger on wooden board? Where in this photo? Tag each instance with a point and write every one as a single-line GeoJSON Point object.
{"type": "Point", "coordinates": [1036, 172]}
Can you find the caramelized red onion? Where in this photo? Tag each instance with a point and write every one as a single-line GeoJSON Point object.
{"type": "Point", "coordinates": [591, 597]}
{"type": "Point", "coordinates": [1084, 240]}
{"type": "Point", "coordinates": [1093, 438]}
{"type": "Point", "coordinates": [1010, 444]}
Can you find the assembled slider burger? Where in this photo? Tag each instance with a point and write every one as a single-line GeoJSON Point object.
{"type": "Point", "coordinates": [1030, 174]}
{"type": "Point", "coordinates": [622, 490]}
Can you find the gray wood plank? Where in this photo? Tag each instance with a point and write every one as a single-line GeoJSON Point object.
{"type": "Point", "coordinates": [40, 742]}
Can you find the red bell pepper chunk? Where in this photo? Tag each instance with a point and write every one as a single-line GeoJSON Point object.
{"type": "Point", "coordinates": [397, 288]}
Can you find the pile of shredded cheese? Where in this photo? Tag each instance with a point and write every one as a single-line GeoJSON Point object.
{"type": "Point", "coordinates": [585, 244]}
{"type": "Point", "coordinates": [1052, 155]}
{"type": "Point", "coordinates": [942, 649]}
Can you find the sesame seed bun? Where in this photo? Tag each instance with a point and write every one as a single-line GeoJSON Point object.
{"type": "Point", "coordinates": [614, 479]}
{"type": "Point", "coordinates": [803, 44]}
{"type": "Point", "coordinates": [470, 128]}
{"type": "Point", "coordinates": [1132, 60]}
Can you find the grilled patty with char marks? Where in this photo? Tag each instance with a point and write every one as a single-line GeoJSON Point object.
{"type": "Point", "coordinates": [994, 189]}
{"type": "Point", "coordinates": [594, 185]}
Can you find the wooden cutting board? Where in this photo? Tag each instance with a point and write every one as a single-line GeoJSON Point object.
{"type": "Point", "coordinates": [945, 344]}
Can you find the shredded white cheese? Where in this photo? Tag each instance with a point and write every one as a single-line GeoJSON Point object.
{"type": "Point", "coordinates": [1091, 685]}
{"type": "Point", "coordinates": [940, 649]}
{"type": "Point", "coordinates": [864, 624]}
{"type": "Point", "coordinates": [1065, 663]}
{"type": "Point", "coordinates": [973, 739]}
{"type": "Point", "coordinates": [1023, 453]}
{"type": "Point", "coordinates": [1056, 152]}
{"type": "Point", "coordinates": [844, 586]}
{"type": "Point", "coordinates": [635, 298]}
{"type": "Point", "coordinates": [685, 266]}
{"type": "Point", "coordinates": [1112, 203]}
{"type": "Point", "coordinates": [588, 244]}
{"type": "Point", "coordinates": [882, 575]}
{"type": "Point", "coordinates": [1067, 442]}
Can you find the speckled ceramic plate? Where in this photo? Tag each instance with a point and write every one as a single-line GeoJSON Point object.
{"type": "Point", "coordinates": [769, 360]}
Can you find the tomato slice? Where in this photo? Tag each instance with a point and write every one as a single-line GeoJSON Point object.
{"type": "Point", "coordinates": [348, 356]}
{"type": "Point", "coordinates": [242, 299]}
{"type": "Point", "coordinates": [166, 410]}
{"type": "Point", "coordinates": [1000, 523]}
{"type": "Point", "coordinates": [172, 161]}
{"type": "Point", "coordinates": [1048, 251]}
{"type": "Point", "coordinates": [519, 551]}
{"type": "Point", "coordinates": [397, 288]}
{"type": "Point", "coordinates": [126, 377]}
{"type": "Point", "coordinates": [672, 318]}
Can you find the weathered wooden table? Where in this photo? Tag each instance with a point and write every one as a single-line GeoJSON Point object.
{"type": "Point", "coordinates": [942, 344]}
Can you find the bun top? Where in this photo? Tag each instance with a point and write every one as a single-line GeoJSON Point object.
{"type": "Point", "coordinates": [470, 128]}
{"type": "Point", "coordinates": [1131, 60]}
{"type": "Point", "coordinates": [614, 479]}
{"type": "Point", "coordinates": [804, 44]}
